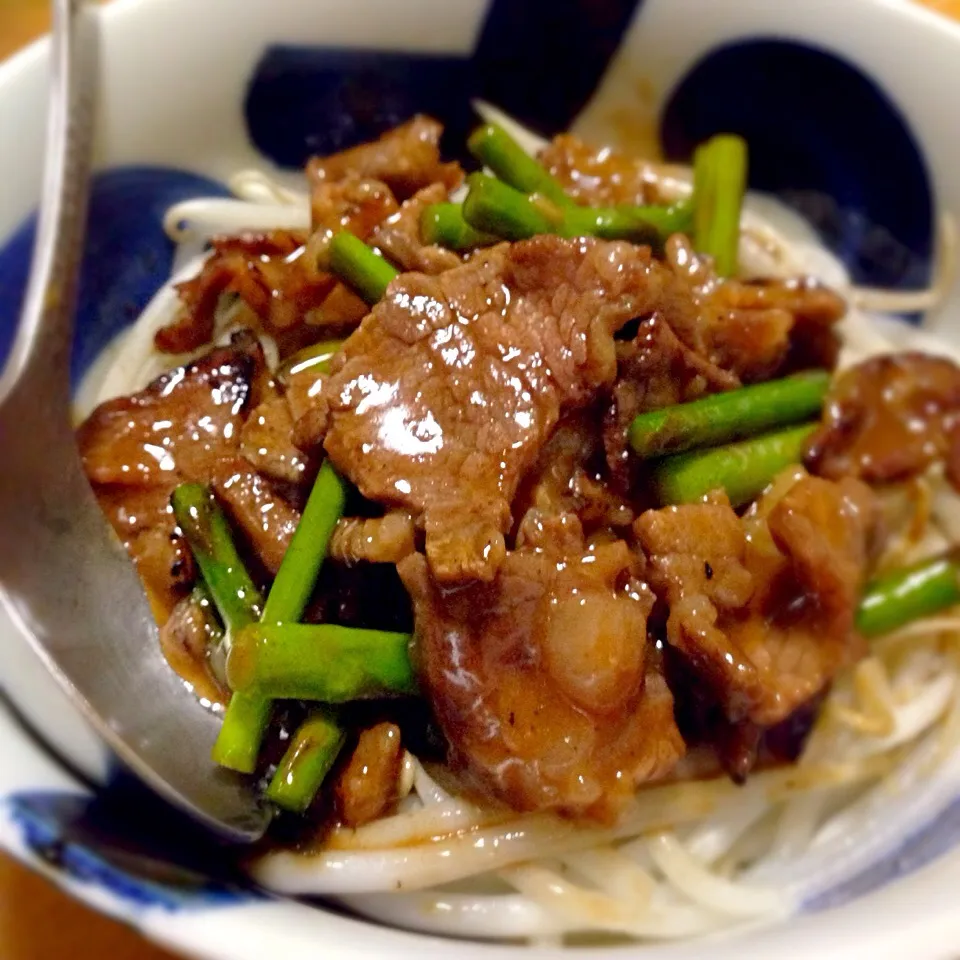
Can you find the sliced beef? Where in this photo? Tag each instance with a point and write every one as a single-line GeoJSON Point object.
{"type": "Point", "coordinates": [136, 449]}
{"type": "Point", "coordinates": [143, 520]}
{"type": "Point", "coordinates": [737, 746]}
{"type": "Point", "coordinates": [177, 427]}
{"type": "Point", "coordinates": [543, 682]}
{"type": "Point", "coordinates": [752, 329]}
{"type": "Point", "coordinates": [599, 177]}
{"type": "Point", "coordinates": [889, 419]}
{"type": "Point", "coordinates": [654, 369]}
{"type": "Point", "coordinates": [444, 397]}
{"type": "Point", "coordinates": [186, 639]}
{"type": "Point", "coordinates": [265, 270]}
{"type": "Point", "coordinates": [369, 783]}
{"type": "Point", "coordinates": [697, 550]}
{"type": "Point", "coordinates": [567, 477]}
{"type": "Point", "coordinates": [765, 620]}
{"type": "Point", "coordinates": [398, 237]}
{"type": "Point", "coordinates": [264, 517]}
{"type": "Point", "coordinates": [823, 531]}
{"type": "Point", "coordinates": [277, 276]}
{"type": "Point", "coordinates": [353, 203]}
{"type": "Point", "coordinates": [303, 389]}
{"type": "Point", "coordinates": [268, 441]}
{"type": "Point", "coordinates": [406, 158]}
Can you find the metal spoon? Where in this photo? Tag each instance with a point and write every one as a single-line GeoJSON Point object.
{"type": "Point", "coordinates": [66, 579]}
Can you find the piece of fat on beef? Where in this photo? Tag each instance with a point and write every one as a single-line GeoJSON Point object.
{"type": "Point", "coordinates": [443, 398]}
{"type": "Point", "coordinates": [386, 539]}
{"type": "Point", "coordinates": [763, 608]}
{"type": "Point", "coordinates": [543, 681]}
{"type": "Point", "coordinates": [136, 449]}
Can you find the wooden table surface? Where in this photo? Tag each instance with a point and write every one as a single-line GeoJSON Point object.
{"type": "Point", "coordinates": [38, 922]}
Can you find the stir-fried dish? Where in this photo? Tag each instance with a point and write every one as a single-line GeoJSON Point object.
{"type": "Point", "coordinates": [518, 493]}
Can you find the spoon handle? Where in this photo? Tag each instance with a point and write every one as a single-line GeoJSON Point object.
{"type": "Point", "coordinates": [45, 333]}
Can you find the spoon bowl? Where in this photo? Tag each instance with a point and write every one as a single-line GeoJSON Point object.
{"type": "Point", "coordinates": [66, 580]}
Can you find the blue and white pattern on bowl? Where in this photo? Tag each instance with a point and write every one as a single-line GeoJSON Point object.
{"type": "Point", "coordinates": [867, 187]}
{"type": "Point", "coordinates": [96, 840]}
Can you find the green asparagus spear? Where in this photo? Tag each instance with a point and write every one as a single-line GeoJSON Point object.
{"type": "Point", "coordinates": [239, 604]}
{"type": "Point", "coordinates": [904, 595]}
{"type": "Point", "coordinates": [248, 712]}
{"type": "Point", "coordinates": [360, 267]}
{"type": "Point", "coordinates": [719, 182]}
{"type": "Point", "coordinates": [316, 357]}
{"type": "Point", "coordinates": [245, 722]}
{"type": "Point", "coordinates": [496, 149]}
{"type": "Point", "coordinates": [322, 662]}
{"type": "Point", "coordinates": [492, 206]}
{"type": "Point", "coordinates": [704, 189]}
{"type": "Point", "coordinates": [728, 416]}
{"type": "Point", "coordinates": [742, 469]}
{"type": "Point", "coordinates": [677, 218]}
{"type": "Point", "coordinates": [444, 224]}
{"type": "Point", "coordinates": [496, 208]}
{"type": "Point", "coordinates": [207, 531]}
{"type": "Point", "coordinates": [307, 761]}
{"type": "Point", "coordinates": [613, 223]}
{"type": "Point", "coordinates": [301, 564]}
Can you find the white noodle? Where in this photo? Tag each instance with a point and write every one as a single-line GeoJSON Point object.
{"type": "Point", "coordinates": [194, 220]}
{"type": "Point", "coordinates": [256, 187]}
{"type": "Point", "coordinates": [459, 914]}
{"type": "Point", "coordinates": [713, 838]}
{"type": "Point", "coordinates": [687, 873]}
{"type": "Point", "coordinates": [580, 909]}
{"type": "Point", "coordinates": [427, 789]}
{"type": "Point", "coordinates": [687, 858]}
{"type": "Point", "coordinates": [614, 873]}
{"type": "Point", "coordinates": [416, 825]}
{"type": "Point", "coordinates": [138, 361]}
{"type": "Point", "coordinates": [913, 718]}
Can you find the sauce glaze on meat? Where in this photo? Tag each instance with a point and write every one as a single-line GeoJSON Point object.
{"type": "Point", "coordinates": [564, 623]}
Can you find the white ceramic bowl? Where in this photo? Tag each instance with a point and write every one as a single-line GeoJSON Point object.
{"type": "Point", "coordinates": [849, 109]}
